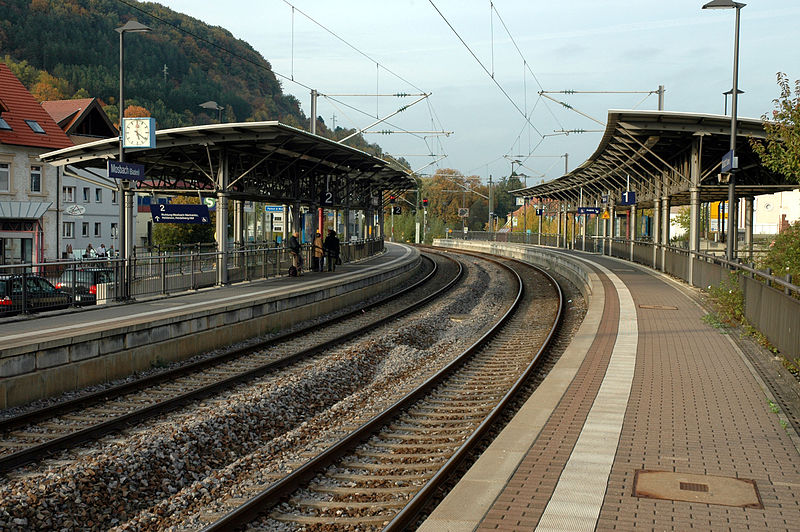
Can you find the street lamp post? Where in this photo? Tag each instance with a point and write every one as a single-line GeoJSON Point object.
{"type": "Point", "coordinates": [124, 188]}
{"type": "Point", "coordinates": [214, 106]}
{"type": "Point", "coordinates": [730, 247]}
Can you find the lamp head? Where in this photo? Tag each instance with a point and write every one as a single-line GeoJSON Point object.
{"type": "Point", "coordinates": [211, 104]}
{"type": "Point", "coordinates": [723, 4]}
{"type": "Point", "coordinates": [133, 26]}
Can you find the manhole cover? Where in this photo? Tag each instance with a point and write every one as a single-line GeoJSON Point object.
{"type": "Point", "coordinates": [659, 307]}
{"type": "Point", "coordinates": [706, 489]}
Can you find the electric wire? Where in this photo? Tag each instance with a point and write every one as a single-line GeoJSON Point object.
{"type": "Point", "coordinates": [484, 68]}
{"type": "Point", "coordinates": [261, 65]}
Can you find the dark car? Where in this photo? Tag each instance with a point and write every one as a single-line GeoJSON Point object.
{"type": "Point", "coordinates": [31, 292]}
{"type": "Point", "coordinates": [86, 281]}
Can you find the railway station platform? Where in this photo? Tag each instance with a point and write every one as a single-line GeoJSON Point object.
{"type": "Point", "coordinates": [50, 353]}
{"type": "Point", "coordinates": [652, 419]}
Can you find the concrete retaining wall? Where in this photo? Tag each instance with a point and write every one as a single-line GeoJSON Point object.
{"type": "Point", "coordinates": [45, 369]}
{"type": "Point", "coordinates": [574, 270]}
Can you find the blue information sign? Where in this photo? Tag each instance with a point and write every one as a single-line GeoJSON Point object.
{"type": "Point", "coordinates": [539, 212]}
{"type": "Point", "coordinates": [180, 214]}
{"type": "Point", "coordinates": [273, 208]}
{"type": "Point", "coordinates": [729, 162]}
{"type": "Point", "coordinates": [589, 210]}
{"type": "Point", "coordinates": [131, 171]}
{"type": "Point", "coordinates": [628, 198]}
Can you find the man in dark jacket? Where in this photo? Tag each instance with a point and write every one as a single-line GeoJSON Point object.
{"type": "Point", "coordinates": [331, 247]}
{"type": "Point", "coordinates": [294, 251]}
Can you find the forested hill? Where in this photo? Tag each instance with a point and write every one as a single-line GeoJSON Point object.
{"type": "Point", "coordinates": [64, 49]}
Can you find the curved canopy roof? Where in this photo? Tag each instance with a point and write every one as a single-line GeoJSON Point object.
{"type": "Point", "coordinates": [266, 161]}
{"type": "Point", "coordinates": [652, 149]}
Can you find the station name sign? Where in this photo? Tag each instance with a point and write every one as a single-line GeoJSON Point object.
{"type": "Point", "coordinates": [120, 170]}
{"type": "Point", "coordinates": [589, 210]}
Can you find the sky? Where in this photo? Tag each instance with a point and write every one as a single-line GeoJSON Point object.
{"type": "Point", "coordinates": [620, 47]}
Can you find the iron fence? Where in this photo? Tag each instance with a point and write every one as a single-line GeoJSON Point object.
{"type": "Point", "coordinates": [45, 286]}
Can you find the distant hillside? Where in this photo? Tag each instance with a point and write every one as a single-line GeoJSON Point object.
{"type": "Point", "coordinates": [68, 48]}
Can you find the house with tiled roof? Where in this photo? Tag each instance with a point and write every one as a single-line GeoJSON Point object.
{"type": "Point", "coordinates": [83, 119]}
{"type": "Point", "coordinates": [30, 191]}
{"type": "Point", "coordinates": [95, 195]}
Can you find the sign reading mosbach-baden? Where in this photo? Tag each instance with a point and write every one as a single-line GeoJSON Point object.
{"type": "Point", "coordinates": [131, 171]}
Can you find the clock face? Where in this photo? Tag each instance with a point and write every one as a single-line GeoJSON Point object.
{"type": "Point", "coordinates": [138, 133]}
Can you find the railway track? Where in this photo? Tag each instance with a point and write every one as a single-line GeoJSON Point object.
{"type": "Point", "coordinates": [380, 474]}
{"type": "Point", "coordinates": [33, 435]}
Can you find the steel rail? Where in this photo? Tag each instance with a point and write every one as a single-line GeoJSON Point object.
{"type": "Point", "coordinates": [271, 496]}
{"type": "Point", "coordinates": [411, 510]}
{"type": "Point", "coordinates": [37, 451]}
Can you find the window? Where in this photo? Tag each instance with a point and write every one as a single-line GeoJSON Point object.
{"type": "Point", "coordinates": [86, 192]}
{"type": "Point", "coordinates": [34, 125]}
{"type": "Point", "coordinates": [36, 178]}
{"type": "Point", "coordinates": [69, 230]}
{"type": "Point", "coordinates": [69, 194]}
{"type": "Point", "coordinates": [113, 230]}
{"type": "Point", "coordinates": [97, 229]}
{"type": "Point", "coordinates": [85, 229]}
{"type": "Point", "coordinates": [98, 195]}
{"type": "Point", "coordinates": [4, 125]}
{"type": "Point", "coordinates": [5, 177]}
{"type": "Point", "coordinates": [114, 200]}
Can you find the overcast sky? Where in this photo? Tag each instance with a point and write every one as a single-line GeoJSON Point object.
{"type": "Point", "coordinates": [589, 45]}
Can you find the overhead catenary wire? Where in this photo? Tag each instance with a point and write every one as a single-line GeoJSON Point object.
{"type": "Point", "coordinates": [484, 68]}
{"type": "Point", "coordinates": [263, 65]}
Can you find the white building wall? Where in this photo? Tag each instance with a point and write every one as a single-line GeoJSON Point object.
{"type": "Point", "coordinates": [104, 212]}
{"type": "Point", "coordinates": [20, 160]}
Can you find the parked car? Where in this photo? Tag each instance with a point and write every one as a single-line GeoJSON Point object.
{"type": "Point", "coordinates": [86, 281]}
{"type": "Point", "coordinates": [37, 292]}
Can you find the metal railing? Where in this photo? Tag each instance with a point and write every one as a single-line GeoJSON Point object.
{"type": "Point", "coordinates": [771, 302]}
{"type": "Point", "coordinates": [98, 281]}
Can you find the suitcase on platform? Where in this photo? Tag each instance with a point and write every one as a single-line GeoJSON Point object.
{"type": "Point", "coordinates": [292, 271]}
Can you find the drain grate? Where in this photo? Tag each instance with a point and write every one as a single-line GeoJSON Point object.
{"type": "Point", "coordinates": [689, 486]}
{"type": "Point", "coordinates": [706, 489]}
{"type": "Point", "coordinates": [659, 307]}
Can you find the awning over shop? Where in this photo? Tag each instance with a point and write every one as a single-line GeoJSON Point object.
{"type": "Point", "coordinates": [24, 210]}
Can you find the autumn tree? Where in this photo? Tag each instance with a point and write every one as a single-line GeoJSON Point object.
{"type": "Point", "coordinates": [781, 150]}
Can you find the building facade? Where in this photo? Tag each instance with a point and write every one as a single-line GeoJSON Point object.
{"type": "Point", "coordinates": [30, 221]}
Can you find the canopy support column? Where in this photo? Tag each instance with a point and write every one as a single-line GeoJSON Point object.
{"type": "Point", "coordinates": [222, 219]}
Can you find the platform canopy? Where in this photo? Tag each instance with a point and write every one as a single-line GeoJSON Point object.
{"type": "Point", "coordinates": [661, 153]}
{"type": "Point", "coordinates": [255, 161]}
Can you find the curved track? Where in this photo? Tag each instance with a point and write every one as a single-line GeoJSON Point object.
{"type": "Point", "coordinates": [37, 434]}
{"type": "Point", "coordinates": [381, 474]}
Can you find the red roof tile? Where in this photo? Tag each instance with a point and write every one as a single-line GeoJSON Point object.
{"type": "Point", "coordinates": [23, 106]}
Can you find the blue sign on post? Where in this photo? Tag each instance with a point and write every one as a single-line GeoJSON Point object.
{"type": "Point", "coordinates": [628, 198]}
{"type": "Point", "coordinates": [729, 162]}
{"type": "Point", "coordinates": [180, 214]}
{"type": "Point", "coordinates": [273, 208]}
{"type": "Point", "coordinates": [130, 171]}
{"type": "Point", "coordinates": [588, 210]}
{"type": "Point", "coordinates": [539, 212]}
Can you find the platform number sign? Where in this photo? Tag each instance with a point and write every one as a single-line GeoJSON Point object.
{"type": "Point", "coordinates": [397, 209]}
{"type": "Point", "coordinates": [327, 198]}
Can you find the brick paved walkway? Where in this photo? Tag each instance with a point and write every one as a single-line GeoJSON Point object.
{"type": "Point", "coordinates": [694, 408]}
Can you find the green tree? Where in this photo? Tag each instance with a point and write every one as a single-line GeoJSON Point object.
{"type": "Point", "coordinates": [171, 235]}
{"type": "Point", "coordinates": [784, 253]}
{"type": "Point", "coordinates": [781, 151]}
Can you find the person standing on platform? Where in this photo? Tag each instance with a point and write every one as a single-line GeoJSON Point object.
{"type": "Point", "coordinates": [294, 251]}
{"type": "Point", "coordinates": [90, 253]}
{"type": "Point", "coordinates": [319, 253]}
{"type": "Point", "coordinates": [331, 246]}
{"type": "Point", "coordinates": [102, 253]}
